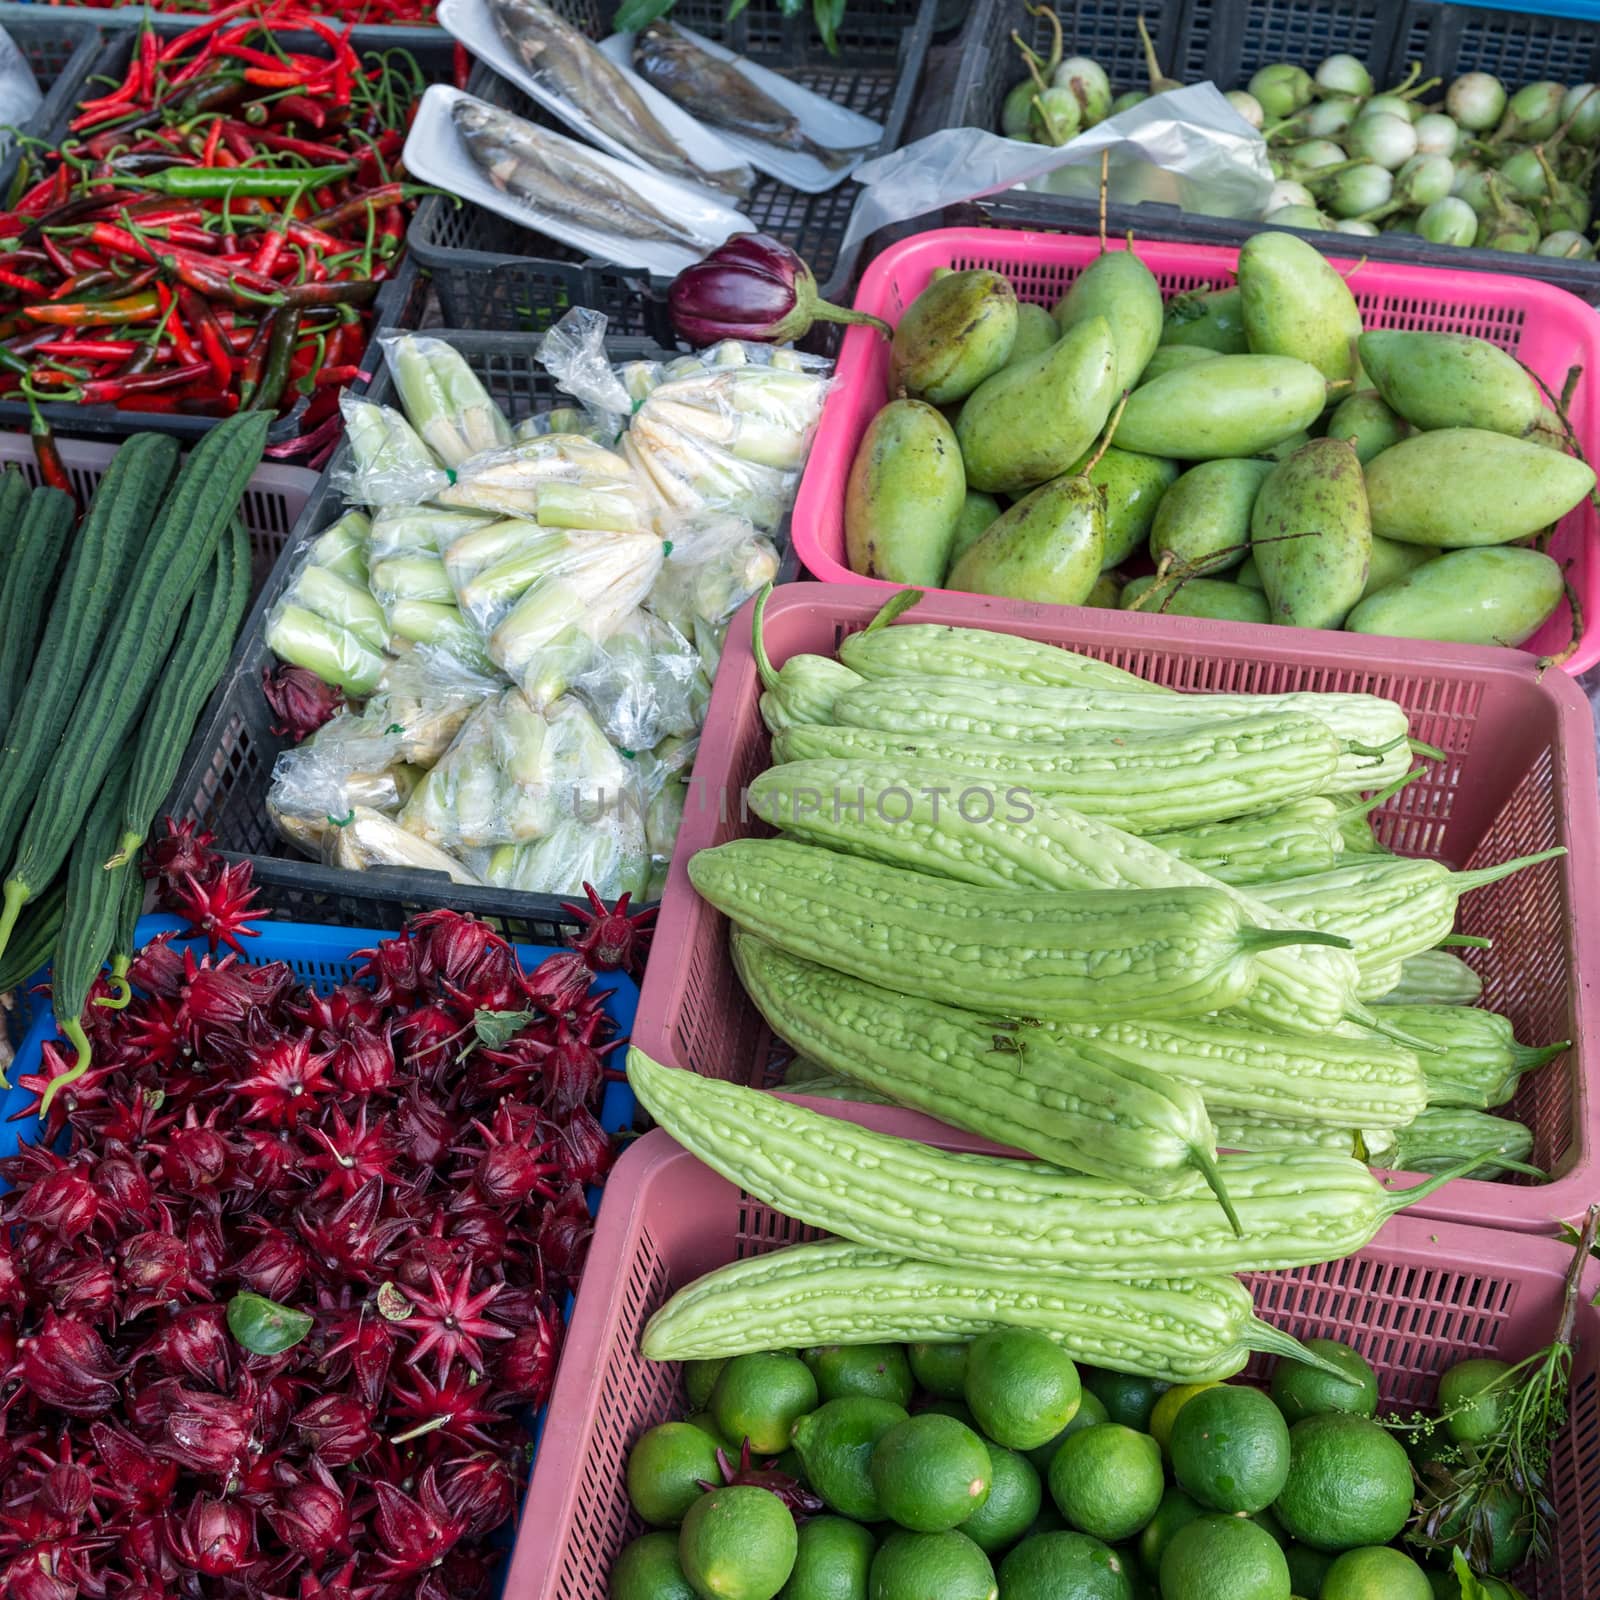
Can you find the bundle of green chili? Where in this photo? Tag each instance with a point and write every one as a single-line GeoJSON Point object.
{"type": "Point", "coordinates": [213, 235]}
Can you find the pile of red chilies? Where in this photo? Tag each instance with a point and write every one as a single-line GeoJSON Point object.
{"type": "Point", "coordinates": [360, 13]}
{"type": "Point", "coordinates": [280, 1279]}
{"type": "Point", "coordinates": [213, 237]}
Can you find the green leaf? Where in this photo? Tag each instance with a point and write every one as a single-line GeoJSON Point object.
{"type": "Point", "coordinates": [735, 7]}
{"type": "Point", "coordinates": [264, 1327]}
{"type": "Point", "coordinates": [1471, 1589]}
{"type": "Point", "coordinates": [635, 14]}
{"type": "Point", "coordinates": [829, 14]}
{"type": "Point", "coordinates": [495, 1028]}
{"type": "Point", "coordinates": [791, 8]}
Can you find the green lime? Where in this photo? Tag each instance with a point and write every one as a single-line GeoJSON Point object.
{"type": "Point", "coordinates": [648, 1569]}
{"type": "Point", "coordinates": [1230, 1449]}
{"type": "Point", "coordinates": [707, 1424]}
{"type": "Point", "coordinates": [1168, 1406]}
{"type": "Point", "coordinates": [833, 1561]}
{"type": "Point", "coordinates": [1107, 1481]}
{"type": "Point", "coordinates": [700, 1378]}
{"type": "Point", "coordinates": [878, 1370]}
{"type": "Point", "coordinates": [1223, 1558]}
{"type": "Point", "coordinates": [1508, 1522]}
{"type": "Point", "coordinates": [1307, 1569]}
{"type": "Point", "coordinates": [1349, 1483]}
{"type": "Point", "coordinates": [1472, 1399]}
{"type": "Point", "coordinates": [1013, 1503]}
{"type": "Point", "coordinates": [941, 1369]}
{"type": "Point", "coordinates": [758, 1397]}
{"type": "Point", "coordinates": [931, 1566]}
{"type": "Point", "coordinates": [1128, 1399]}
{"type": "Point", "coordinates": [931, 1472]}
{"type": "Point", "coordinates": [959, 1409]}
{"type": "Point", "coordinates": [1177, 1510]}
{"type": "Point", "coordinates": [666, 1468]}
{"type": "Point", "coordinates": [1375, 1573]}
{"type": "Point", "coordinates": [1091, 1411]}
{"type": "Point", "coordinates": [1022, 1387]}
{"type": "Point", "coordinates": [1064, 1566]}
{"type": "Point", "coordinates": [1305, 1391]}
{"type": "Point", "coordinates": [738, 1544]}
{"type": "Point", "coordinates": [835, 1444]}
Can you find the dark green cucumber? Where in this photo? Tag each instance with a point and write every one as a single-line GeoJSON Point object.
{"type": "Point", "coordinates": [42, 540]}
{"type": "Point", "coordinates": [205, 641]}
{"type": "Point", "coordinates": [35, 939]}
{"type": "Point", "coordinates": [198, 507]}
{"type": "Point", "coordinates": [95, 581]}
{"type": "Point", "coordinates": [89, 919]}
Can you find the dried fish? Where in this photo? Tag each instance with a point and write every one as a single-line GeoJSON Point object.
{"type": "Point", "coordinates": [555, 173]}
{"type": "Point", "coordinates": [566, 63]}
{"type": "Point", "coordinates": [717, 93]}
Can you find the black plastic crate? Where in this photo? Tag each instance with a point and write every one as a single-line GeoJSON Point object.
{"type": "Point", "coordinates": [227, 769]}
{"type": "Point", "coordinates": [62, 49]}
{"type": "Point", "coordinates": [1444, 38]}
{"type": "Point", "coordinates": [399, 303]}
{"type": "Point", "coordinates": [491, 273]}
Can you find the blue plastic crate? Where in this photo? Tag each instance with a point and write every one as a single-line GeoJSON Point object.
{"type": "Point", "coordinates": [321, 956]}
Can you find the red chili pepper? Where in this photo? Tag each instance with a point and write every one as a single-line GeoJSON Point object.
{"type": "Point", "coordinates": [205, 30]}
{"type": "Point", "coordinates": [117, 241]}
{"type": "Point", "coordinates": [58, 256]}
{"type": "Point", "coordinates": [357, 205]}
{"type": "Point", "coordinates": [66, 349]}
{"type": "Point", "coordinates": [338, 376]}
{"type": "Point", "coordinates": [239, 140]}
{"type": "Point", "coordinates": [51, 469]}
{"type": "Point", "coordinates": [140, 307]}
{"type": "Point", "coordinates": [316, 239]}
{"type": "Point", "coordinates": [24, 286]}
{"type": "Point", "coordinates": [208, 153]}
{"type": "Point", "coordinates": [300, 108]}
{"type": "Point", "coordinates": [110, 390]}
{"type": "Point", "coordinates": [287, 144]}
{"type": "Point", "coordinates": [212, 339]}
{"type": "Point", "coordinates": [462, 63]}
{"type": "Point", "coordinates": [266, 257]}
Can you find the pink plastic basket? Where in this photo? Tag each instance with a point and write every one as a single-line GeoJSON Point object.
{"type": "Point", "coordinates": [1420, 1297]}
{"type": "Point", "coordinates": [1545, 327]}
{"type": "Point", "coordinates": [1519, 777]}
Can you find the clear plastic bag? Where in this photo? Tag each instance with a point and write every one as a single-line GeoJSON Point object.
{"type": "Point", "coordinates": [573, 352]}
{"type": "Point", "coordinates": [20, 98]}
{"type": "Point", "coordinates": [389, 465]}
{"type": "Point", "coordinates": [342, 547]}
{"type": "Point", "coordinates": [366, 840]}
{"type": "Point", "coordinates": [512, 774]}
{"type": "Point", "coordinates": [642, 683]}
{"type": "Point", "coordinates": [443, 398]}
{"type": "Point", "coordinates": [586, 424]}
{"type": "Point", "coordinates": [713, 565]}
{"type": "Point", "coordinates": [691, 477]}
{"type": "Point", "coordinates": [347, 762]}
{"type": "Point", "coordinates": [425, 696]}
{"type": "Point", "coordinates": [609, 854]}
{"type": "Point", "coordinates": [396, 530]}
{"type": "Point", "coordinates": [506, 482]}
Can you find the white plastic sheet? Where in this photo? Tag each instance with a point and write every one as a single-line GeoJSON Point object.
{"type": "Point", "coordinates": [1187, 148]}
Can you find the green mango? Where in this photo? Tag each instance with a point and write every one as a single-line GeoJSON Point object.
{"type": "Point", "coordinates": [904, 496]}
{"type": "Point", "coordinates": [1497, 595]}
{"type": "Point", "coordinates": [1118, 286]}
{"type": "Point", "coordinates": [1469, 486]}
{"type": "Point", "coordinates": [1391, 562]}
{"type": "Point", "coordinates": [1030, 421]}
{"type": "Point", "coordinates": [1196, 597]}
{"type": "Point", "coordinates": [1233, 406]}
{"type": "Point", "coordinates": [978, 510]}
{"type": "Point", "coordinates": [1213, 318]}
{"type": "Point", "coordinates": [1036, 332]}
{"type": "Point", "coordinates": [1249, 575]}
{"type": "Point", "coordinates": [1312, 536]}
{"type": "Point", "coordinates": [1366, 421]}
{"type": "Point", "coordinates": [1203, 521]}
{"type": "Point", "coordinates": [1104, 595]}
{"type": "Point", "coordinates": [1131, 487]}
{"type": "Point", "coordinates": [1451, 380]}
{"type": "Point", "coordinates": [957, 332]}
{"type": "Point", "coordinates": [1046, 547]}
{"type": "Point", "coordinates": [1296, 304]}
{"type": "Point", "coordinates": [1169, 356]}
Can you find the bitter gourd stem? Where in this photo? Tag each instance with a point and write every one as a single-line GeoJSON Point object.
{"type": "Point", "coordinates": [893, 608]}
{"type": "Point", "coordinates": [1397, 1200]}
{"type": "Point", "coordinates": [1270, 1341]}
{"type": "Point", "coordinates": [1367, 807]}
{"type": "Point", "coordinates": [1271, 938]}
{"type": "Point", "coordinates": [1479, 876]}
{"type": "Point", "coordinates": [1432, 752]}
{"type": "Point", "coordinates": [72, 1030]}
{"type": "Point", "coordinates": [1529, 1058]}
{"type": "Point", "coordinates": [758, 645]}
{"type": "Point", "coordinates": [1206, 1161]}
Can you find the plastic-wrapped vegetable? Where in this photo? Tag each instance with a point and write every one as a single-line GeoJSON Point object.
{"type": "Point", "coordinates": [351, 761]}
{"type": "Point", "coordinates": [367, 839]}
{"type": "Point", "coordinates": [342, 548]}
{"type": "Point", "coordinates": [336, 655]}
{"type": "Point", "coordinates": [568, 419]}
{"type": "Point", "coordinates": [607, 852]}
{"type": "Point", "coordinates": [443, 399]}
{"type": "Point", "coordinates": [760, 414]}
{"type": "Point", "coordinates": [512, 775]}
{"type": "Point", "coordinates": [645, 682]}
{"type": "Point", "coordinates": [391, 465]}
{"type": "Point", "coordinates": [690, 477]}
{"type": "Point", "coordinates": [507, 481]}
{"type": "Point", "coordinates": [713, 565]}
{"type": "Point", "coordinates": [424, 698]}
{"type": "Point", "coordinates": [397, 530]}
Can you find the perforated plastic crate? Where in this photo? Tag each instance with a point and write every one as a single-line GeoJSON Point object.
{"type": "Point", "coordinates": [489, 273]}
{"type": "Point", "coordinates": [1419, 1298]}
{"type": "Point", "coordinates": [271, 504]}
{"type": "Point", "coordinates": [1544, 327]}
{"type": "Point", "coordinates": [1518, 776]}
{"type": "Point", "coordinates": [227, 768]}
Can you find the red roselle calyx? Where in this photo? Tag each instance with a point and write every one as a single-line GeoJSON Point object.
{"type": "Point", "coordinates": [299, 699]}
{"type": "Point", "coordinates": [753, 287]}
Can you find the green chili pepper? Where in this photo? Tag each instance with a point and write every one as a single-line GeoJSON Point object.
{"type": "Point", "coordinates": [213, 183]}
{"type": "Point", "coordinates": [264, 1327]}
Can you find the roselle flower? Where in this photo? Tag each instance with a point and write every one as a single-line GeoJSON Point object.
{"type": "Point", "coordinates": [67, 1365]}
{"type": "Point", "coordinates": [337, 1427]}
{"type": "Point", "coordinates": [510, 1170]}
{"type": "Point", "coordinates": [64, 1203]}
{"type": "Point", "coordinates": [426, 1129]}
{"type": "Point", "coordinates": [79, 1286]}
{"type": "Point", "coordinates": [154, 1268]}
{"type": "Point", "coordinates": [146, 1547]}
{"type": "Point", "coordinates": [27, 1578]}
{"type": "Point", "coordinates": [157, 968]}
{"type": "Point", "coordinates": [560, 983]}
{"type": "Point", "coordinates": [219, 907]}
{"type": "Point", "coordinates": [177, 852]}
{"type": "Point", "coordinates": [13, 1291]}
{"type": "Point", "coordinates": [351, 1240]}
{"type": "Point", "coordinates": [574, 1071]}
{"type": "Point", "coordinates": [361, 1348]}
{"type": "Point", "coordinates": [393, 970]}
{"type": "Point", "coordinates": [124, 1190]}
{"type": "Point", "coordinates": [66, 1493]}
{"type": "Point", "coordinates": [300, 701]}
{"type": "Point", "coordinates": [412, 1534]}
{"type": "Point", "coordinates": [361, 1059]}
{"type": "Point", "coordinates": [581, 1147]}
{"type": "Point", "coordinates": [193, 1342]}
{"type": "Point", "coordinates": [480, 1489]}
{"type": "Point", "coordinates": [480, 1235]}
{"type": "Point", "coordinates": [212, 1537]}
{"type": "Point", "coordinates": [196, 1158]}
{"type": "Point", "coordinates": [752, 287]}
{"type": "Point", "coordinates": [564, 1233]}
{"type": "Point", "coordinates": [275, 1267]}
{"type": "Point", "coordinates": [454, 945]}
{"type": "Point", "coordinates": [208, 1434]}
{"type": "Point", "coordinates": [134, 1474]}
{"type": "Point", "coordinates": [313, 1519]}
{"type": "Point", "coordinates": [527, 1365]}
{"type": "Point", "coordinates": [433, 1035]}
